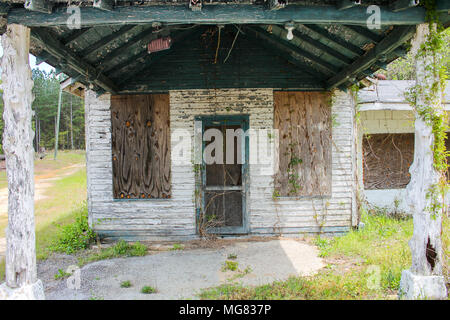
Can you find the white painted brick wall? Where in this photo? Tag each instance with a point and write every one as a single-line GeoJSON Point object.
{"type": "Point", "coordinates": [175, 218]}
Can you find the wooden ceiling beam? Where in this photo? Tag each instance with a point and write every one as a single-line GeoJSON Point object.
{"type": "Point", "coordinates": [346, 4]}
{"type": "Point", "coordinates": [117, 68]}
{"type": "Point", "coordinates": [154, 57]}
{"type": "Point", "coordinates": [366, 33]}
{"type": "Point", "coordinates": [287, 45]}
{"type": "Point", "coordinates": [146, 34]}
{"type": "Point", "coordinates": [217, 14]}
{"type": "Point", "coordinates": [55, 48]}
{"type": "Point", "coordinates": [74, 35]}
{"type": "Point", "coordinates": [335, 39]}
{"type": "Point", "coordinates": [319, 45]}
{"type": "Point", "coordinates": [107, 5]}
{"type": "Point", "coordinates": [394, 39]}
{"type": "Point", "coordinates": [275, 50]}
{"type": "Point", "coordinates": [401, 5]}
{"type": "Point", "coordinates": [44, 6]}
{"type": "Point", "coordinates": [93, 48]}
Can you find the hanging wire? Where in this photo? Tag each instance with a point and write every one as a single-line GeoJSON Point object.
{"type": "Point", "coordinates": [232, 46]}
{"type": "Point", "coordinates": [218, 43]}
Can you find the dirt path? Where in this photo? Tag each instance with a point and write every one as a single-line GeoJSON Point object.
{"type": "Point", "coordinates": [41, 184]}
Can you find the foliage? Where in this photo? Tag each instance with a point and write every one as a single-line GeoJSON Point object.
{"type": "Point", "coordinates": [61, 274]}
{"type": "Point", "coordinates": [148, 290]}
{"type": "Point", "coordinates": [75, 236]}
{"type": "Point", "coordinates": [230, 265]}
{"type": "Point", "coordinates": [405, 68]}
{"type": "Point", "coordinates": [45, 105]}
{"type": "Point", "coordinates": [125, 284]}
{"type": "Point", "coordinates": [177, 246]}
{"type": "Point", "coordinates": [120, 249]}
{"type": "Point", "coordinates": [378, 251]}
{"type": "Point", "coordinates": [431, 110]}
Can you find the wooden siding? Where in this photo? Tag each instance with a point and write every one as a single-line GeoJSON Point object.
{"type": "Point", "coordinates": [174, 218]}
{"type": "Point", "coordinates": [304, 123]}
{"type": "Point", "coordinates": [141, 146]}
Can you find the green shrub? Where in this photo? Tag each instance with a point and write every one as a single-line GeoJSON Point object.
{"type": "Point", "coordinates": [230, 265]}
{"type": "Point", "coordinates": [148, 290]}
{"type": "Point", "coordinates": [120, 249]}
{"type": "Point", "coordinates": [75, 236]}
{"type": "Point", "coordinates": [125, 284]}
{"type": "Point", "coordinates": [61, 274]}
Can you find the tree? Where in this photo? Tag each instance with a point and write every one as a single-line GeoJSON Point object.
{"type": "Point", "coordinates": [405, 68]}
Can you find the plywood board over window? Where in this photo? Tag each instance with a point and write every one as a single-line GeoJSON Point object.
{"type": "Point", "coordinates": [141, 146]}
{"type": "Point", "coordinates": [387, 158]}
{"type": "Point", "coordinates": [304, 123]}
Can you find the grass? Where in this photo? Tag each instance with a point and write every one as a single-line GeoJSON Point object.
{"type": "Point", "coordinates": [177, 246]}
{"type": "Point", "coordinates": [119, 249]}
{"type": "Point", "coordinates": [148, 290]}
{"type": "Point", "coordinates": [125, 284]}
{"type": "Point", "coordinates": [61, 274]}
{"type": "Point", "coordinates": [230, 265]}
{"type": "Point", "coordinates": [364, 264]}
{"type": "Point", "coordinates": [64, 197]}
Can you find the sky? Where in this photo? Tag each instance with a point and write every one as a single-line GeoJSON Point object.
{"type": "Point", "coordinates": [43, 66]}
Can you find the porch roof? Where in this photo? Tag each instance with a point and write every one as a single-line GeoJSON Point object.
{"type": "Point", "coordinates": [331, 45]}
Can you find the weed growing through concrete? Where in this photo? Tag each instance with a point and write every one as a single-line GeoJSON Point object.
{"type": "Point", "coordinates": [230, 265]}
{"type": "Point", "coordinates": [125, 284]}
{"type": "Point", "coordinates": [177, 246]}
{"type": "Point", "coordinates": [120, 249]}
{"type": "Point", "coordinates": [148, 290]}
{"type": "Point", "coordinates": [61, 274]}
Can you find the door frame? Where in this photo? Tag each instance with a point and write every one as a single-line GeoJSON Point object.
{"type": "Point", "coordinates": [243, 121]}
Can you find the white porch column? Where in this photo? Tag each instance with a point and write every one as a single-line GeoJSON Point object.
{"type": "Point", "coordinates": [21, 279]}
{"type": "Point", "coordinates": [424, 279]}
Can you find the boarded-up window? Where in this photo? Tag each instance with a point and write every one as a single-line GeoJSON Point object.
{"type": "Point", "coordinates": [140, 146]}
{"type": "Point", "coordinates": [387, 158]}
{"type": "Point", "coordinates": [304, 123]}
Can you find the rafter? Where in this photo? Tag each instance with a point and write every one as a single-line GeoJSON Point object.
{"type": "Point", "coordinates": [74, 35]}
{"type": "Point", "coordinates": [44, 6]}
{"type": "Point", "coordinates": [287, 45]}
{"type": "Point", "coordinates": [146, 34]}
{"type": "Point", "coordinates": [218, 14]}
{"type": "Point", "coordinates": [366, 33]}
{"type": "Point", "coordinates": [397, 36]}
{"type": "Point", "coordinates": [117, 68]}
{"type": "Point", "coordinates": [346, 4]}
{"type": "Point", "coordinates": [319, 45]}
{"type": "Point", "coordinates": [335, 39]}
{"type": "Point", "coordinates": [55, 48]}
{"type": "Point", "coordinates": [282, 53]}
{"type": "Point", "coordinates": [93, 48]}
{"type": "Point", "coordinates": [154, 57]}
{"type": "Point", "coordinates": [400, 5]}
{"type": "Point", "coordinates": [107, 5]}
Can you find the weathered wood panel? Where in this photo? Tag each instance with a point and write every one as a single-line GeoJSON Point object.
{"type": "Point", "coordinates": [386, 160]}
{"type": "Point", "coordinates": [304, 123]}
{"type": "Point", "coordinates": [141, 146]}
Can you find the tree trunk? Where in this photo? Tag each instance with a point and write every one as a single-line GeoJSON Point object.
{"type": "Point", "coordinates": [18, 146]}
{"type": "Point", "coordinates": [426, 244]}
{"type": "Point", "coordinates": [71, 124]}
{"type": "Point", "coordinates": [424, 279]}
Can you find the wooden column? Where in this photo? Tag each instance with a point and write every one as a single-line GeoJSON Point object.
{"type": "Point", "coordinates": [424, 279]}
{"type": "Point", "coordinates": [18, 146]}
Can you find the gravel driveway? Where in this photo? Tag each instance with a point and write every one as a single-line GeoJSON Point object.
{"type": "Point", "coordinates": [181, 274]}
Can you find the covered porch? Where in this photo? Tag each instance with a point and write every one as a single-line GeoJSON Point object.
{"type": "Point", "coordinates": [181, 62]}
